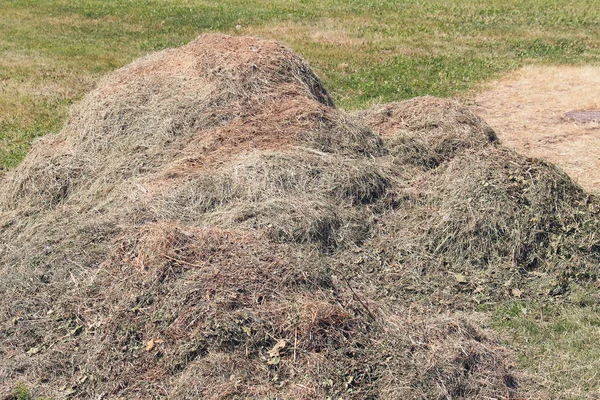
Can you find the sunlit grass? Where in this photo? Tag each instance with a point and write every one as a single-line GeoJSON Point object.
{"type": "Point", "coordinates": [365, 51]}
{"type": "Point", "coordinates": [557, 342]}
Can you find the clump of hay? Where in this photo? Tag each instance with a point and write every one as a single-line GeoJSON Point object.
{"type": "Point", "coordinates": [303, 196]}
{"type": "Point", "coordinates": [497, 219]}
{"type": "Point", "coordinates": [427, 131]}
{"type": "Point", "coordinates": [207, 224]}
{"type": "Point", "coordinates": [214, 313]}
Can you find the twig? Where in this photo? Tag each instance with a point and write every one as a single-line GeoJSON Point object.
{"type": "Point", "coordinates": [179, 261]}
{"type": "Point", "coordinates": [355, 295]}
{"type": "Point", "coordinates": [295, 342]}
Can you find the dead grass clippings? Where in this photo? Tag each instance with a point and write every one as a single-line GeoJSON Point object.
{"type": "Point", "coordinates": [208, 225]}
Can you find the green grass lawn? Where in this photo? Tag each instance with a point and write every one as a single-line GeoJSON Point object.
{"type": "Point", "coordinates": [52, 51]}
{"type": "Point", "coordinates": [556, 341]}
{"type": "Point", "coordinates": [366, 51]}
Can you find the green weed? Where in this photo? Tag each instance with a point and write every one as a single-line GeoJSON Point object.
{"type": "Point", "coordinates": [21, 393]}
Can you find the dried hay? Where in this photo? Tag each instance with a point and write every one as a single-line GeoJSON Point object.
{"type": "Point", "coordinates": [427, 131]}
{"type": "Point", "coordinates": [208, 225]}
{"type": "Point", "coordinates": [304, 196]}
{"type": "Point", "coordinates": [495, 219]}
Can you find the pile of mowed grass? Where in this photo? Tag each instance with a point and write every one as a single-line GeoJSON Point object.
{"type": "Point", "coordinates": [207, 224]}
{"type": "Point", "coordinates": [477, 222]}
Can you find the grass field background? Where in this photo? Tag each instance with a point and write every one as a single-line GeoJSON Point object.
{"type": "Point", "coordinates": [53, 51]}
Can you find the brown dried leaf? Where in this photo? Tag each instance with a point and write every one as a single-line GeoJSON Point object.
{"type": "Point", "coordinates": [150, 345]}
{"type": "Point", "coordinates": [275, 351]}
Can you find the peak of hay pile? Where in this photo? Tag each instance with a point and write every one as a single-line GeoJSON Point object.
{"type": "Point", "coordinates": [208, 225]}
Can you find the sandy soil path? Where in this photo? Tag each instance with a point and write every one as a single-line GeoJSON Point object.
{"type": "Point", "coordinates": [528, 109]}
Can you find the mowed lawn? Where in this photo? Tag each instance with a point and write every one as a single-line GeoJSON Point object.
{"type": "Point", "coordinates": [366, 51]}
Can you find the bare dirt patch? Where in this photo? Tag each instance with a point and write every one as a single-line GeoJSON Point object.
{"type": "Point", "coordinates": [529, 110]}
